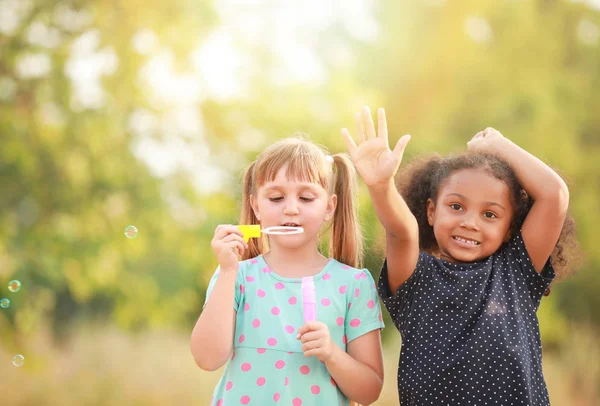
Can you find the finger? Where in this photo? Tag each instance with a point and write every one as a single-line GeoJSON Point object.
{"type": "Point", "coordinates": [349, 141]}
{"type": "Point", "coordinates": [223, 230]}
{"type": "Point", "coordinates": [311, 345]}
{"type": "Point", "coordinates": [368, 122]}
{"type": "Point", "coordinates": [382, 123]}
{"type": "Point", "coordinates": [313, 353]}
{"type": "Point", "coordinates": [310, 336]}
{"type": "Point", "coordinates": [360, 128]}
{"type": "Point", "coordinates": [233, 237]}
{"type": "Point", "coordinates": [400, 146]}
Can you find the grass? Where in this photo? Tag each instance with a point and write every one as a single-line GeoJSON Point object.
{"type": "Point", "coordinates": [105, 366]}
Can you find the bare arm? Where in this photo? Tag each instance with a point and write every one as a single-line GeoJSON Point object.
{"type": "Point", "coordinates": [550, 194]}
{"type": "Point", "coordinates": [377, 164]}
{"type": "Point", "coordinates": [216, 320]}
{"type": "Point", "coordinates": [212, 337]}
{"type": "Point", "coordinates": [358, 372]}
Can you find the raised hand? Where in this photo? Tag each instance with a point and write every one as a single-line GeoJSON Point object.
{"type": "Point", "coordinates": [488, 140]}
{"type": "Point", "coordinates": [228, 244]}
{"type": "Point", "coordinates": [374, 160]}
{"type": "Point", "coordinates": [316, 340]}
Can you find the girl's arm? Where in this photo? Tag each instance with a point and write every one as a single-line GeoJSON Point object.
{"type": "Point", "coordinates": [549, 192]}
{"type": "Point", "coordinates": [377, 164]}
{"type": "Point", "coordinates": [358, 373]}
{"type": "Point", "coordinates": [212, 337]}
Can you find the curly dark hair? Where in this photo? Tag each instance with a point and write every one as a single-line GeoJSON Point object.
{"type": "Point", "coordinates": [421, 180]}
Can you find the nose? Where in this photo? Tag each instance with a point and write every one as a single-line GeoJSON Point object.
{"type": "Point", "coordinates": [291, 207]}
{"type": "Point", "coordinates": [470, 221]}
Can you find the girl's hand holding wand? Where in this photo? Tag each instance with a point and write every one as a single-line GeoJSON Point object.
{"type": "Point", "coordinates": [228, 244]}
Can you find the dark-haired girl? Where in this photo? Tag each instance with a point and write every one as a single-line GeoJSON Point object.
{"type": "Point", "coordinates": [469, 242]}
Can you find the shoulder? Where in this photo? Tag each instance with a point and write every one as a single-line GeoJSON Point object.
{"type": "Point", "coordinates": [343, 271]}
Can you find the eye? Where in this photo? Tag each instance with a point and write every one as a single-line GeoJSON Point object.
{"type": "Point", "coordinates": [489, 215]}
{"type": "Point", "coordinates": [307, 199]}
{"type": "Point", "coordinates": [276, 199]}
{"type": "Point", "coordinates": [456, 206]}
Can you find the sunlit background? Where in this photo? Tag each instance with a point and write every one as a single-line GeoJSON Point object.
{"type": "Point", "coordinates": [144, 113]}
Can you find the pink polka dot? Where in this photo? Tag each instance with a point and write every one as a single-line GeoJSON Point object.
{"type": "Point", "coordinates": [286, 382]}
{"type": "Point", "coordinates": [242, 289]}
{"type": "Point", "coordinates": [253, 261]}
{"type": "Point", "coordinates": [255, 323]}
{"type": "Point", "coordinates": [370, 304]}
{"type": "Point", "coordinates": [349, 304]}
{"type": "Point", "coordinates": [345, 339]}
{"type": "Point", "coordinates": [297, 402]}
{"type": "Point", "coordinates": [356, 292]}
{"type": "Point", "coordinates": [357, 276]}
{"type": "Point", "coordinates": [275, 311]}
{"type": "Point", "coordinates": [342, 289]}
{"type": "Point", "coordinates": [233, 355]}
{"type": "Point", "coordinates": [242, 338]}
{"type": "Point", "coordinates": [272, 342]}
{"type": "Point", "coordinates": [304, 370]}
{"type": "Point", "coordinates": [325, 302]}
{"type": "Point", "coordinates": [266, 270]}
{"type": "Point", "coordinates": [244, 400]}
{"type": "Point", "coordinates": [279, 285]}
{"type": "Point", "coordinates": [355, 322]}
{"type": "Point", "coordinates": [260, 293]}
{"type": "Point", "coordinates": [380, 317]}
{"type": "Point", "coordinates": [339, 321]}
{"type": "Point", "coordinates": [261, 381]}
{"type": "Point", "coordinates": [261, 350]}
{"type": "Point", "coordinates": [345, 267]}
{"type": "Point", "coordinates": [327, 276]}
{"type": "Point", "coordinates": [289, 329]}
{"type": "Point", "coordinates": [315, 389]}
{"type": "Point", "coordinates": [292, 300]}
{"type": "Point", "coordinates": [220, 402]}
{"type": "Point", "coordinates": [228, 385]}
{"type": "Point", "coordinates": [276, 397]}
{"type": "Point", "coordinates": [249, 278]}
{"type": "Point", "coordinates": [280, 364]}
{"type": "Point", "coordinates": [247, 306]}
{"type": "Point", "coordinates": [246, 367]}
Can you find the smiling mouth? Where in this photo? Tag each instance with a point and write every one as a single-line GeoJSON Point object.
{"type": "Point", "coordinates": [466, 241]}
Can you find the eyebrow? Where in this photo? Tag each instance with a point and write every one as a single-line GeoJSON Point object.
{"type": "Point", "coordinates": [486, 203]}
{"type": "Point", "coordinates": [309, 186]}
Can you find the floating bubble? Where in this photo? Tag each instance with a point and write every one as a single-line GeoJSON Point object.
{"type": "Point", "coordinates": [131, 232]}
{"type": "Point", "coordinates": [4, 303]}
{"type": "Point", "coordinates": [18, 360]}
{"type": "Point", "coordinates": [14, 286]}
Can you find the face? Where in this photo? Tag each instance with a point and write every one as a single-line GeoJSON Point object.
{"type": "Point", "coordinates": [472, 216]}
{"type": "Point", "coordinates": [284, 202]}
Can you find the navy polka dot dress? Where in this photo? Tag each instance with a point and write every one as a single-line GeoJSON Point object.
{"type": "Point", "coordinates": [470, 334]}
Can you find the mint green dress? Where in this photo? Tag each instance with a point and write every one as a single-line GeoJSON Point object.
{"type": "Point", "coordinates": [267, 366]}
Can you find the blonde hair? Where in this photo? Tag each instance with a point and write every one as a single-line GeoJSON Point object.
{"type": "Point", "coordinates": [308, 162]}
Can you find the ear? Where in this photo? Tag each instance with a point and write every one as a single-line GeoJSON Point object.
{"type": "Point", "coordinates": [254, 206]}
{"type": "Point", "coordinates": [430, 212]}
{"type": "Point", "coordinates": [331, 205]}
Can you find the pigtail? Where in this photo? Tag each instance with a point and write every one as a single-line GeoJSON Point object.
{"type": "Point", "coordinates": [416, 185]}
{"type": "Point", "coordinates": [256, 246]}
{"type": "Point", "coordinates": [346, 243]}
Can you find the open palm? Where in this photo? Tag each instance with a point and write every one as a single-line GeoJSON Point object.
{"type": "Point", "coordinates": [374, 160]}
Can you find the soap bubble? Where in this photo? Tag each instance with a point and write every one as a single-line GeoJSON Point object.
{"type": "Point", "coordinates": [14, 286]}
{"type": "Point", "coordinates": [18, 360]}
{"type": "Point", "coordinates": [131, 232]}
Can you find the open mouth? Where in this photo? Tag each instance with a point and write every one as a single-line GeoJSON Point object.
{"type": "Point", "coordinates": [466, 240]}
{"type": "Point", "coordinates": [290, 225]}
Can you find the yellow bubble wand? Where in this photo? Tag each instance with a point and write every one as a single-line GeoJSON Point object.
{"type": "Point", "coordinates": [254, 230]}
